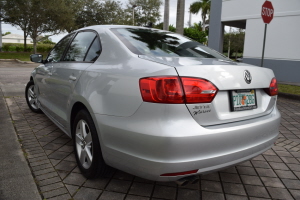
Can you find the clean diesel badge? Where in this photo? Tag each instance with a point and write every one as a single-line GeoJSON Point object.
{"type": "Point", "coordinates": [247, 76]}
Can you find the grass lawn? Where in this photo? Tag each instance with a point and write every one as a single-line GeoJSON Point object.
{"type": "Point", "coordinates": [290, 89]}
{"type": "Point", "coordinates": [23, 56]}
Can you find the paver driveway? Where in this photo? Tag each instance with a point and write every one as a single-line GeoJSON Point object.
{"type": "Point", "coordinates": [272, 175]}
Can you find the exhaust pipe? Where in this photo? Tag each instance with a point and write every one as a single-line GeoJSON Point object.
{"type": "Point", "coordinates": [182, 182]}
{"type": "Point", "coordinates": [185, 180]}
{"type": "Point", "coordinates": [194, 179]}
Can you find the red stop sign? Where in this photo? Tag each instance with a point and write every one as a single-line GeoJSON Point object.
{"type": "Point", "coordinates": [267, 12]}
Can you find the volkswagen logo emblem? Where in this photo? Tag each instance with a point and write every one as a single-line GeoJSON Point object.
{"type": "Point", "coordinates": [247, 76]}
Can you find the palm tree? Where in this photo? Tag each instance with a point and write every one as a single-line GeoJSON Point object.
{"type": "Point", "coordinates": [180, 16]}
{"type": "Point", "coordinates": [166, 15]}
{"type": "Point", "coordinates": [204, 6]}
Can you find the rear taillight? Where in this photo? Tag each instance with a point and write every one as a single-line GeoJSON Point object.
{"type": "Point", "coordinates": [273, 88]}
{"type": "Point", "coordinates": [177, 90]}
{"type": "Point", "coordinates": [161, 90]}
{"type": "Point", "coordinates": [198, 90]}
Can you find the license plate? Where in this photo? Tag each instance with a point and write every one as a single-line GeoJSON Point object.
{"type": "Point", "coordinates": [243, 100]}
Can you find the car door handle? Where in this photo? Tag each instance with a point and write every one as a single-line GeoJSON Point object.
{"type": "Point", "coordinates": [72, 78]}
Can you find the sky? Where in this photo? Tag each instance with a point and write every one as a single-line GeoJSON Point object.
{"type": "Point", "coordinates": [172, 19]}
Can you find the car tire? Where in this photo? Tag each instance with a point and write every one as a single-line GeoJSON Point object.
{"type": "Point", "coordinates": [30, 96]}
{"type": "Point", "coordinates": [87, 146]}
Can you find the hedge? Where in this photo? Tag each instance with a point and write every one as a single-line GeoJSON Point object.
{"type": "Point", "coordinates": [18, 47]}
{"type": "Point", "coordinates": [195, 34]}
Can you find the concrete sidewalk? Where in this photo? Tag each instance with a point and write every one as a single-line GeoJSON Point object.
{"type": "Point", "coordinates": [16, 181]}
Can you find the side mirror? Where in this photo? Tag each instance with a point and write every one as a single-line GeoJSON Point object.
{"type": "Point", "coordinates": [38, 58]}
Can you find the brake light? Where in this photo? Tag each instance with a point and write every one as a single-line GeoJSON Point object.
{"type": "Point", "coordinates": [198, 90]}
{"type": "Point", "coordinates": [273, 88]}
{"type": "Point", "coordinates": [161, 90]}
{"type": "Point", "coordinates": [177, 90]}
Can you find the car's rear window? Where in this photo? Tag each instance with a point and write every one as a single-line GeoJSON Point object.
{"type": "Point", "coordinates": [160, 43]}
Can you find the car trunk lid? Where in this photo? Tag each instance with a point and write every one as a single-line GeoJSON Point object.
{"type": "Point", "coordinates": [236, 99]}
{"type": "Point", "coordinates": [229, 78]}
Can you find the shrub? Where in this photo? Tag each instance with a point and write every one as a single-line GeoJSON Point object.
{"type": "Point", "coordinates": [29, 49]}
{"type": "Point", "coordinates": [44, 48]}
{"type": "Point", "coordinates": [49, 48]}
{"type": "Point", "coordinates": [10, 47]}
{"type": "Point", "coordinates": [195, 34]}
{"type": "Point", "coordinates": [48, 41]}
{"type": "Point", "coordinates": [5, 47]}
{"type": "Point", "coordinates": [40, 48]}
{"type": "Point", "coordinates": [172, 28]}
{"type": "Point", "coordinates": [19, 48]}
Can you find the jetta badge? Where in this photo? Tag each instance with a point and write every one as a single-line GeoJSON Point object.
{"type": "Point", "coordinates": [247, 76]}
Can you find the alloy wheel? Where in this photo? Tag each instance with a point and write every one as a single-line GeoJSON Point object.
{"type": "Point", "coordinates": [84, 144]}
{"type": "Point", "coordinates": [32, 97]}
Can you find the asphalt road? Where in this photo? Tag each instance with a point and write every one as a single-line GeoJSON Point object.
{"type": "Point", "coordinates": [14, 76]}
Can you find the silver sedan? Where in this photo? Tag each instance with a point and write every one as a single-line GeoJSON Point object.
{"type": "Point", "coordinates": [153, 103]}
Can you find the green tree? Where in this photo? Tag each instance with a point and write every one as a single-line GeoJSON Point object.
{"type": "Point", "coordinates": [49, 17]}
{"type": "Point", "coordinates": [204, 7]}
{"type": "Point", "coordinates": [236, 39]}
{"type": "Point", "coordinates": [98, 12]}
{"type": "Point", "coordinates": [6, 33]}
{"type": "Point", "coordinates": [37, 17]}
{"type": "Point", "coordinates": [112, 12]}
{"type": "Point", "coordinates": [161, 25]}
{"type": "Point", "coordinates": [46, 40]}
{"type": "Point", "coordinates": [172, 28]}
{"type": "Point", "coordinates": [145, 11]}
{"type": "Point", "coordinates": [195, 33]}
{"type": "Point", "coordinates": [13, 12]}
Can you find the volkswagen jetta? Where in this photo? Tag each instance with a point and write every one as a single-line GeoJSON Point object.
{"type": "Point", "coordinates": [153, 103]}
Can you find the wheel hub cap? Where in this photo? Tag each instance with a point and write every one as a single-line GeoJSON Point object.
{"type": "Point", "coordinates": [31, 96]}
{"type": "Point", "coordinates": [84, 144]}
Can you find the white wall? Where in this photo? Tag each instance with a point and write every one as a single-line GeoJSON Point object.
{"type": "Point", "coordinates": [13, 40]}
{"type": "Point", "coordinates": [282, 39]}
{"type": "Point", "coordinates": [283, 33]}
{"type": "Point", "coordinates": [241, 9]}
{"type": "Point", "coordinates": [248, 9]}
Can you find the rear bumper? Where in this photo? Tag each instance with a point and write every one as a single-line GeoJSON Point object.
{"type": "Point", "coordinates": [157, 140]}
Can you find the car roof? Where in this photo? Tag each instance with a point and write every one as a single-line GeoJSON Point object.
{"type": "Point", "coordinates": [97, 27]}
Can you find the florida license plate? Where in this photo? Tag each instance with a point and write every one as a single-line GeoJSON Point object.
{"type": "Point", "coordinates": [243, 100]}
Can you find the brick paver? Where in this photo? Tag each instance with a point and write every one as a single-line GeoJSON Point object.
{"type": "Point", "coordinates": [273, 175]}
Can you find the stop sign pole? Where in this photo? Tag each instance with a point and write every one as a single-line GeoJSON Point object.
{"type": "Point", "coordinates": [267, 13]}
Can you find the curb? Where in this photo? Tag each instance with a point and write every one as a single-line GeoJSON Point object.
{"type": "Point", "coordinates": [289, 96]}
{"type": "Point", "coordinates": [17, 60]}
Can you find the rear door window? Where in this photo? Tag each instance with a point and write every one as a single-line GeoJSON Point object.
{"type": "Point", "coordinates": [94, 51]}
{"type": "Point", "coordinates": [83, 43]}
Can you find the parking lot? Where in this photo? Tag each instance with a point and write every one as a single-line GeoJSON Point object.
{"type": "Point", "coordinates": [49, 152]}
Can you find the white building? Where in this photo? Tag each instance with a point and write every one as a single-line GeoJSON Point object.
{"type": "Point", "coordinates": [282, 47]}
{"type": "Point", "coordinates": [15, 38]}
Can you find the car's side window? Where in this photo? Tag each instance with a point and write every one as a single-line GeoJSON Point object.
{"type": "Point", "coordinates": [80, 46]}
{"type": "Point", "coordinates": [94, 51]}
{"type": "Point", "coordinates": [57, 52]}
